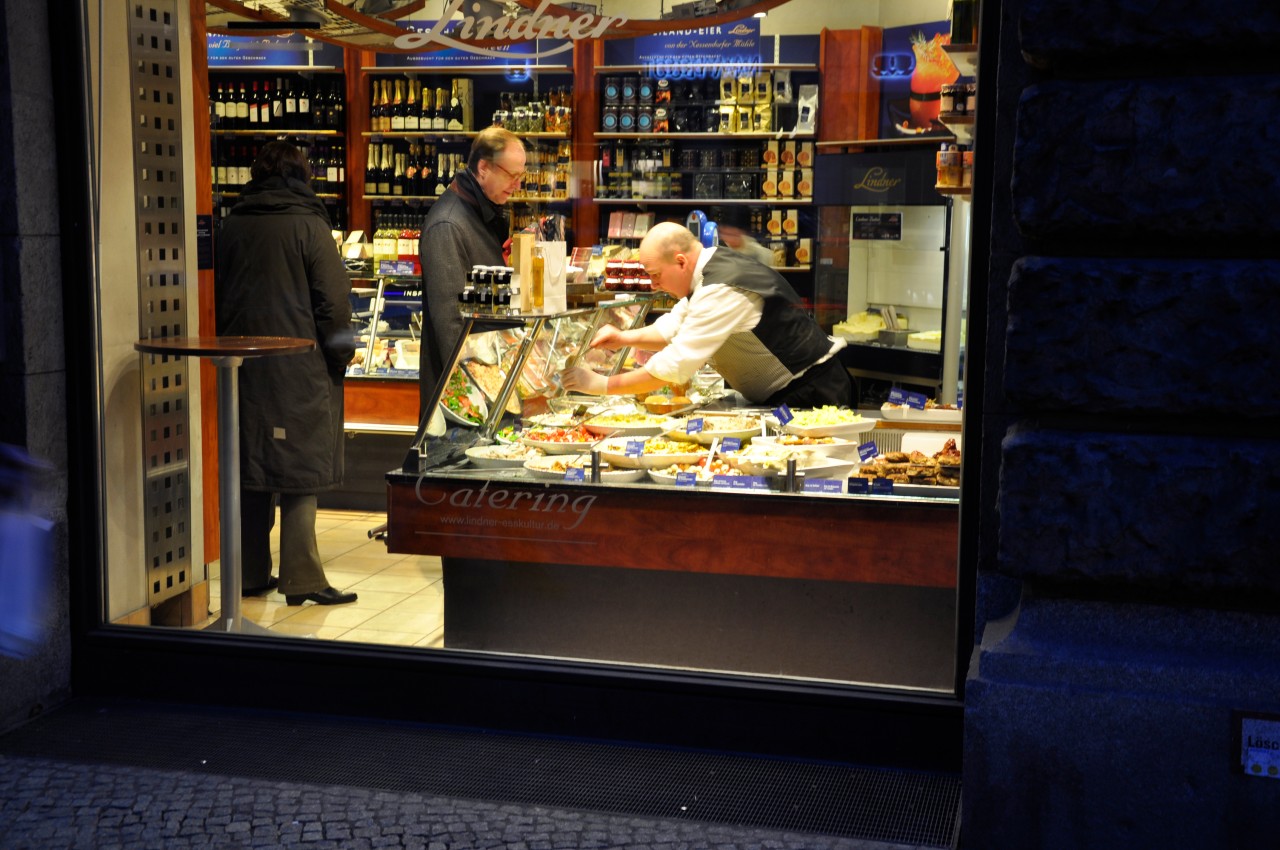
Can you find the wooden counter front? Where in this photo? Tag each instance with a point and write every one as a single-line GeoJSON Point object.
{"type": "Point", "coordinates": [876, 540]}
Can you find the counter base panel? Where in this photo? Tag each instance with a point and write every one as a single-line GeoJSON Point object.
{"type": "Point", "coordinates": [883, 635]}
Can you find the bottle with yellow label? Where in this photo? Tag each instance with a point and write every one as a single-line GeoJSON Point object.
{"type": "Point", "coordinates": [537, 268]}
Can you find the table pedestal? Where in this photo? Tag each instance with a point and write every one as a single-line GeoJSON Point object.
{"type": "Point", "coordinates": [228, 353]}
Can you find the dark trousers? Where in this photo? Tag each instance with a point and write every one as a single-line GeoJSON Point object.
{"type": "Point", "coordinates": [300, 568]}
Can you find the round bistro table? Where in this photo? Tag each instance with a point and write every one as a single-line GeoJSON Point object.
{"type": "Point", "coordinates": [228, 353]}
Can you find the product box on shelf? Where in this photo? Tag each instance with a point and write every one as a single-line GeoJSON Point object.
{"type": "Point", "coordinates": [804, 185]}
{"type": "Point", "coordinates": [769, 185]}
{"type": "Point", "coordinates": [786, 183]}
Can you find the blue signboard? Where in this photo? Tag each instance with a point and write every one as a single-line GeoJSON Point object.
{"type": "Point", "coordinates": [723, 46]}
{"type": "Point", "coordinates": [271, 51]}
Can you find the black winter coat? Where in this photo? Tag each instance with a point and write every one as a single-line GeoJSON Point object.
{"type": "Point", "coordinates": [463, 228]}
{"type": "Point", "coordinates": [278, 273]}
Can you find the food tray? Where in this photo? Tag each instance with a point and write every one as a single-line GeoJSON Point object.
{"type": "Point", "coordinates": [845, 429]}
{"type": "Point", "coordinates": [614, 450]}
{"type": "Point", "coordinates": [838, 447]}
{"type": "Point", "coordinates": [710, 430]}
{"type": "Point", "coordinates": [818, 466]}
{"type": "Point", "coordinates": [500, 456]}
{"type": "Point", "coordinates": [641, 424]}
{"type": "Point", "coordinates": [554, 468]}
{"type": "Point", "coordinates": [911, 414]}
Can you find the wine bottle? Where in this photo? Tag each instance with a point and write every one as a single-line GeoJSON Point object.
{"type": "Point", "coordinates": [277, 104]}
{"type": "Point", "coordinates": [371, 172]}
{"type": "Point", "coordinates": [217, 109]}
{"type": "Point", "coordinates": [384, 171]}
{"type": "Point", "coordinates": [337, 112]}
{"type": "Point", "coordinates": [304, 103]}
{"type": "Point", "coordinates": [220, 169]}
{"type": "Point", "coordinates": [427, 119]}
{"type": "Point", "coordinates": [264, 106]}
{"type": "Point", "coordinates": [440, 120]}
{"type": "Point", "coordinates": [333, 168]}
{"type": "Point", "coordinates": [318, 108]}
{"type": "Point", "coordinates": [242, 110]}
{"type": "Point", "coordinates": [412, 118]}
{"type": "Point", "coordinates": [455, 108]}
{"type": "Point", "coordinates": [443, 173]}
{"type": "Point", "coordinates": [397, 107]}
{"type": "Point", "coordinates": [291, 105]}
{"type": "Point", "coordinates": [397, 181]}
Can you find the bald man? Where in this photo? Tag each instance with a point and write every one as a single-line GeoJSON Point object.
{"type": "Point", "coordinates": [732, 312]}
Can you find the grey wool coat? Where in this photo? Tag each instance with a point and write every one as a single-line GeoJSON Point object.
{"type": "Point", "coordinates": [277, 273]}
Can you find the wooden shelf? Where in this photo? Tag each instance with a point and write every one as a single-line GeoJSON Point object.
{"type": "Point", "coordinates": [727, 137]}
{"type": "Point", "coordinates": [460, 134]}
{"type": "Point", "coordinates": [515, 199]}
{"type": "Point", "coordinates": [964, 57]}
{"type": "Point", "coordinates": [888, 143]}
{"type": "Point", "coordinates": [676, 66]}
{"type": "Point", "coordinates": [462, 71]}
{"type": "Point", "coordinates": [277, 131]}
{"type": "Point", "coordinates": [693, 202]}
{"type": "Point", "coordinates": [955, 191]}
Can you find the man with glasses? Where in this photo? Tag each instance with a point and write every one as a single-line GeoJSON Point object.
{"type": "Point", "coordinates": [466, 226]}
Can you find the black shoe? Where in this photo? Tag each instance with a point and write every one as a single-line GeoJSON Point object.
{"type": "Point", "coordinates": [272, 584]}
{"type": "Point", "coordinates": [328, 596]}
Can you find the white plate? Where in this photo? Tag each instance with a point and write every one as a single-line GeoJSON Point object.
{"type": "Point", "coordinates": [838, 447]}
{"type": "Point", "coordinates": [668, 478]}
{"type": "Point", "coordinates": [911, 414]}
{"type": "Point", "coordinates": [844, 429]}
{"type": "Point", "coordinates": [553, 448]}
{"type": "Point", "coordinates": [716, 427]}
{"type": "Point", "coordinates": [553, 468]}
{"type": "Point", "coordinates": [500, 456]}
{"type": "Point", "coordinates": [476, 398]}
{"type": "Point", "coordinates": [815, 467]}
{"type": "Point", "coordinates": [614, 450]}
{"type": "Point", "coordinates": [645, 425]}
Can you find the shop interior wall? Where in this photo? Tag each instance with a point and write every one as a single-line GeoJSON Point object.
{"type": "Point", "coordinates": [111, 88]}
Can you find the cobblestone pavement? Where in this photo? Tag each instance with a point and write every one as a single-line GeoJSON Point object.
{"type": "Point", "coordinates": [50, 804]}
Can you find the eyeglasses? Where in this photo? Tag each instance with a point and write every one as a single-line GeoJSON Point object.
{"type": "Point", "coordinates": [515, 178]}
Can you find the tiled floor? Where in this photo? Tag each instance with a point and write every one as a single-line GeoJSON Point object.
{"type": "Point", "coordinates": [401, 597]}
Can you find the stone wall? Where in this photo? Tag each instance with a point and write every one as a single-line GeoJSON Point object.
{"type": "Point", "coordinates": [1130, 430]}
{"type": "Point", "coordinates": [32, 368]}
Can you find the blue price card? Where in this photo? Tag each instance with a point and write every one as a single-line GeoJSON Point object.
{"type": "Point", "coordinates": [859, 485]}
{"type": "Point", "coordinates": [693, 426]}
{"type": "Point", "coordinates": [868, 450]}
{"type": "Point", "coordinates": [635, 448]}
{"type": "Point", "coordinates": [960, 399]}
{"type": "Point", "coordinates": [917, 401]}
{"type": "Point", "coordinates": [724, 481]}
{"type": "Point", "coordinates": [824, 485]}
{"type": "Point", "coordinates": [783, 413]}
{"type": "Point", "coordinates": [897, 396]}
{"type": "Point", "coordinates": [731, 444]}
{"type": "Point", "coordinates": [749, 482]}
{"type": "Point", "coordinates": [686, 479]}
{"type": "Point", "coordinates": [575, 473]}
{"type": "Point", "coordinates": [882, 486]}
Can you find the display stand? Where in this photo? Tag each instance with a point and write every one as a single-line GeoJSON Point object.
{"type": "Point", "coordinates": [227, 353]}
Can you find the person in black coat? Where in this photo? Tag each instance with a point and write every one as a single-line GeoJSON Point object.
{"type": "Point", "coordinates": [466, 226]}
{"type": "Point", "coordinates": [278, 273]}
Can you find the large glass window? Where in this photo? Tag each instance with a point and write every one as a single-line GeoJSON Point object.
{"type": "Point", "coordinates": [683, 528]}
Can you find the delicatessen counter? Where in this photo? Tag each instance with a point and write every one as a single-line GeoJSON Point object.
{"type": "Point", "coordinates": [577, 526]}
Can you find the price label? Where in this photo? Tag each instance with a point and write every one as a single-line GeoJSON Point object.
{"type": "Point", "coordinates": [868, 450]}
{"type": "Point", "coordinates": [635, 448]}
{"type": "Point", "coordinates": [575, 473]}
{"type": "Point", "coordinates": [783, 414]}
{"type": "Point", "coordinates": [882, 487]}
{"type": "Point", "coordinates": [686, 479]}
{"type": "Point", "coordinates": [748, 482]}
{"type": "Point", "coordinates": [731, 444]}
{"type": "Point", "coordinates": [825, 485]}
{"type": "Point", "coordinates": [724, 482]}
{"type": "Point", "coordinates": [860, 486]}
{"type": "Point", "coordinates": [693, 426]}
{"type": "Point", "coordinates": [897, 396]}
{"type": "Point", "coordinates": [917, 401]}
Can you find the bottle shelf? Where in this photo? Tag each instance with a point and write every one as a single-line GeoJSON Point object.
{"type": "Point", "coordinates": [653, 70]}
{"type": "Point", "coordinates": [459, 134]}
{"type": "Point", "coordinates": [963, 193]}
{"type": "Point", "coordinates": [693, 202]}
{"type": "Point", "coordinates": [324, 195]}
{"type": "Point", "coordinates": [277, 131]}
{"type": "Point", "coordinates": [726, 137]}
{"type": "Point", "coordinates": [514, 199]}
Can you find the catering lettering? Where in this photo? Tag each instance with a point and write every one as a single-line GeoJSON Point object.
{"type": "Point", "coordinates": [546, 502]}
{"type": "Point", "coordinates": [877, 180]}
{"type": "Point", "coordinates": [533, 25]}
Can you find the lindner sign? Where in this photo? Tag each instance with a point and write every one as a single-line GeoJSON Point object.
{"type": "Point", "coordinates": [533, 26]}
